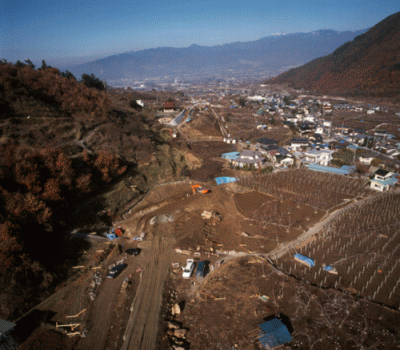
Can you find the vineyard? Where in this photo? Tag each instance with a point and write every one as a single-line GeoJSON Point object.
{"type": "Point", "coordinates": [363, 245]}
{"type": "Point", "coordinates": [318, 190]}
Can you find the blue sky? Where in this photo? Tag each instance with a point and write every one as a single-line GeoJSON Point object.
{"type": "Point", "coordinates": [78, 30]}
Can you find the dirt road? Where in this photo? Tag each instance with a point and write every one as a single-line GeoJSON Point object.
{"type": "Point", "coordinates": [142, 327]}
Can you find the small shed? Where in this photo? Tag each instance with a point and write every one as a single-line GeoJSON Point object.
{"type": "Point", "coordinates": [273, 333]}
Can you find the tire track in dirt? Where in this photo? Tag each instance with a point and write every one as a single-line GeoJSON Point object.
{"type": "Point", "coordinates": [142, 327]}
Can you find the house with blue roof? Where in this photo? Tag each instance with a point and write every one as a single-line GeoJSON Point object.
{"type": "Point", "coordinates": [383, 180]}
{"type": "Point", "coordinates": [328, 169]}
{"type": "Point", "coordinates": [273, 333]}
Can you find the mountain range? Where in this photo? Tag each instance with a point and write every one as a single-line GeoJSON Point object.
{"type": "Point", "coordinates": [368, 65]}
{"type": "Point", "coordinates": [265, 57]}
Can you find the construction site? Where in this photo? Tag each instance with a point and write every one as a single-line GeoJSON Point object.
{"type": "Point", "coordinates": [248, 231]}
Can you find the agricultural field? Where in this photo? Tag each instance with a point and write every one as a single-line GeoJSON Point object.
{"type": "Point", "coordinates": [363, 245]}
{"type": "Point", "coordinates": [318, 190]}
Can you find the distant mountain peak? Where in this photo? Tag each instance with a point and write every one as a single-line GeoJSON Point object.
{"type": "Point", "coordinates": [272, 54]}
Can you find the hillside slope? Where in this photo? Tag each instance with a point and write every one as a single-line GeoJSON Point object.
{"type": "Point", "coordinates": [69, 159]}
{"type": "Point", "coordinates": [369, 65]}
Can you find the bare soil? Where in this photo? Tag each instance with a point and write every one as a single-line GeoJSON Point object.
{"type": "Point", "coordinates": [224, 313]}
{"type": "Point", "coordinates": [222, 309]}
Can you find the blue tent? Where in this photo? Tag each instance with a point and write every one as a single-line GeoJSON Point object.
{"type": "Point", "coordinates": [305, 259]}
{"type": "Point", "coordinates": [224, 180]}
{"type": "Point", "coordinates": [273, 333]}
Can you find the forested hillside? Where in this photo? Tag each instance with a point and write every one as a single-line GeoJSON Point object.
{"type": "Point", "coordinates": [367, 66]}
{"type": "Point", "coordinates": [62, 143]}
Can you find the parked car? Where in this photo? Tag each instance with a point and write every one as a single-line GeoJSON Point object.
{"type": "Point", "coordinates": [188, 269]}
{"type": "Point", "coordinates": [116, 270]}
{"type": "Point", "coordinates": [200, 269]}
{"type": "Point", "coordinates": [133, 251]}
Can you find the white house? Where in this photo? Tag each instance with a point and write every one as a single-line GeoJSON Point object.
{"type": "Point", "coordinates": [321, 157]}
{"type": "Point", "coordinates": [365, 160]}
{"type": "Point", "coordinates": [309, 118]}
{"type": "Point", "coordinates": [284, 160]}
{"type": "Point", "coordinates": [327, 107]}
{"type": "Point", "coordinates": [383, 180]}
{"type": "Point", "coordinates": [248, 157]}
{"type": "Point", "coordinates": [298, 144]}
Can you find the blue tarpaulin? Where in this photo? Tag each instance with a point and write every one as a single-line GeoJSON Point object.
{"type": "Point", "coordinates": [273, 333]}
{"type": "Point", "coordinates": [224, 180]}
{"type": "Point", "coordinates": [111, 236]}
{"type": "Point", "coordinates": [304, 259]}
{"type": "Point", "coordinates": [230, 155]}
{"type": "Point", "coordinates": [328, 268]}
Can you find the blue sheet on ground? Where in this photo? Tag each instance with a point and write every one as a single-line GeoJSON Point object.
{"type": "Point", "coordinates": [306, 259]}
{"type": "Point", "coordinates": [224, 180]}
{"type": "Point", "coordinates": [328, 268]}
{"type": "Point", "coordinates": [111, 236]}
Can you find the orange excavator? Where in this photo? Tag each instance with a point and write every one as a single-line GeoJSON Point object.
{"type": "Point", "coordinates": [199, 189]}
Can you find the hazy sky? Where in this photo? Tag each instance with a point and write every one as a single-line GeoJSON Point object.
{"type": "Point", "coordinates": [57, 30]}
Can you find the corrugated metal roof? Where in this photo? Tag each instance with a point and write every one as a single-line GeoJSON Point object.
{"type": "Point", "coordinates": [274, 333]}
{"type": "Point", "coordinates": [5, 326]}
{"type": "Point", "coordinates": [327, 169]}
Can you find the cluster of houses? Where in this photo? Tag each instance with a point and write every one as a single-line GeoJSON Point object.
{"type": "Point", "coordinates": [267, 153]}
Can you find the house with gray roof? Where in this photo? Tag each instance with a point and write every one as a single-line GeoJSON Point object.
{"type": "Point", "coordinates": [248, 157]}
